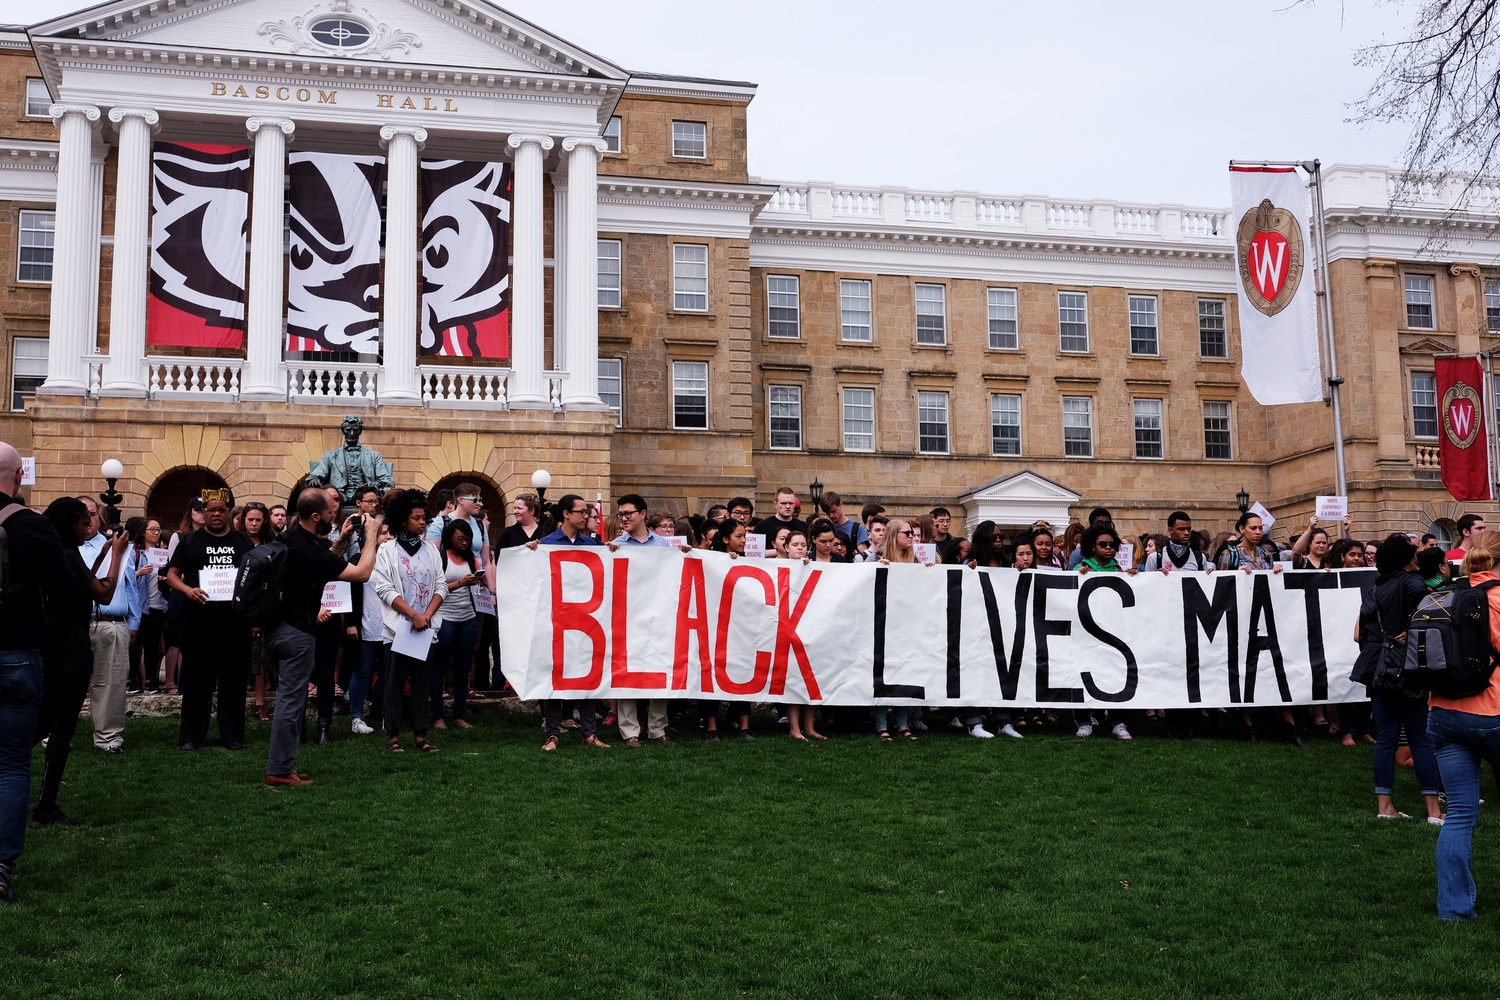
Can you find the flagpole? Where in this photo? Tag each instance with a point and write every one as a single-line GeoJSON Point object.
{"type": "Point", "coordinates": [1324, 289]}
{"type": "Point", "coordinates": [1486, 399]}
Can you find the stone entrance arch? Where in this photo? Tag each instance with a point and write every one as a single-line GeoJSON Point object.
{"type": "Point", "coordinates": [168, 498]}
{"type": "Point", "coordinates": [494, 497]}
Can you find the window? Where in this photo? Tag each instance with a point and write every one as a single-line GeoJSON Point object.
{"type": "Point", "coordinates": [339, 33]}
{"type": "Point", "coordinates": [1492, 305]}
{"type": "Point", "coordinates": [859, 419]}
{"type": "Point", "coordinates": [1073, 320]}
{"type": "Point", "coordinates": [690, 139]}
{"type": "Point", "coordinates": [28, 368]}
{"type": "Point", "coordinates": [785, 416]}
{"type": "Point", "coordinates": [1143, 325]}
{"type": "Point", "coordinates": [1212, 340]}
{"type": "Point", "coordinates": [931, 314]}
{"type": "Point", "coordinates": [781, 306]}
{"type": "Point", "coordinates": [690, 277]}
{"type": "Point", "coordinates": [609, 274]}
{"type": "Point", "coordinates": [1147, 428]}
{"type": "Point", "coordinates": [932, 423]}
{"type": "Point", "coordinates": [38, 101]}
{"type": "Point", "coordinates": [690, 395]}
{"type": "Point", "coordinates": [1002, 305]}
{"type": "Point", "coordinates": [854, 302]}
{"type": "Point", "coordinates": [1424, 410]}
{"type": "Point", "coordinates": [37, 231]}
{"type": "Point", "coordinates": [1078, 426]}
{"type": "Point", "coordinates": [1216, 437]}
{"type": "Point", "coordinates": [612, 387]}
{"type": "Point", "coordinates": [612, 135]}
{"type": "Point", "coordinates": [1005, 424]}
{"type": "Point", "coordinates": [1419, 301]}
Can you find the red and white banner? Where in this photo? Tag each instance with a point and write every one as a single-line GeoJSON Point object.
{"type": "Point", "coordinates": [333, 286]}
{"type": "Point", "coordinates": [200, 201]}
{"type": "Point", "coordinates": [465, 259]}
{"type": "Point", "coordinates": [582, 622]}
{"type": "Point", "coordinates": [1463, 435]}
{"type": "Point", "coordinates": [1279, 358]}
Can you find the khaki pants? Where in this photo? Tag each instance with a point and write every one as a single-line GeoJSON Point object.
{"type": "Point", "coordinates": [630, 722]}
{"type": "Point", "coordinates": [111, 644]}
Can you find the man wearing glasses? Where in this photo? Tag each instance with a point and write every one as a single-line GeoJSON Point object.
{"type": "Point", "coordinates": [573, 513]}
{"type": "Point", "coordinates": [630, 511]}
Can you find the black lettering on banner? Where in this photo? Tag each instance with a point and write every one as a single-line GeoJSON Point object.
{"type": "Point", "coordinates": [882, 689]}
{"type": "Point", "coordinates": [1007, 675]}
{"type": "Point", "coordinates": [1260, 603]}
{"type": "Point", "coordinates": [1044, 626]}
{"type": "Point", "coordinates": [1093, 583]}
{"type": "Point", "coordinates": [955, 630]}
{"type": "Point", "coordinates": [1310, 584]}
{"type": "Point", "coordinates": [1198, 612]}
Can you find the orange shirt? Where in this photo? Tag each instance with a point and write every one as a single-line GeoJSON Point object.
{"type": "Point", "coordinates": [1486, 702]}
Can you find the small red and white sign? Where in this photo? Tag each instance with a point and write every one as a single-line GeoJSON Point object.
{"type": "Point", "coordinates": [338, 598]}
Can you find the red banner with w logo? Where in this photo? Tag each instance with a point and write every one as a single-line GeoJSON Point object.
{"type": "Point", "coordinates": [1463, 436]}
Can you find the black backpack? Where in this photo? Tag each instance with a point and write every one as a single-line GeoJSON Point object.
{"type": "Point", "coordinates": [5, 585]}
{"type": "Point", "coordinates": [258, 586]}
{"type": "Point", "coordinates": [1448, 649]}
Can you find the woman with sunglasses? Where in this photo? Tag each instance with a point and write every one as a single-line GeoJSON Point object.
{"type": "Point", "coordinates": [1099, 545]}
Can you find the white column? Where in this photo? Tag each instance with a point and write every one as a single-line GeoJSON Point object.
{"type": "Point", "coordinates": [528, 310]}
{"type": "Point", "coordinates": [581, 390]}
{"type": "Point", "coordinates": [398, 372]}
{"type": "Point", "coordinates": [262, 376]}
{"type": "Point", "coordinates": [124, 374]}
{"type": "Point", "coordinates": [72, 329]}
{"type": "Point", "coordinates": [559, 270]}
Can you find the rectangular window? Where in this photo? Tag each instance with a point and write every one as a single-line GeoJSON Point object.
{"type": "Point", "coordinates": [690, 277]}
{"type": "Point", "coordinates": [1005, 424]}
{"type": "Point", "coordinates": [854, 302]}
{"type": "Point", "coordinates": [28, 369]}
{"type": "Point", "coordinates": [609, 274]}
{"type": "Point", "coordinates": [932, 314]}
{"type": "Point", "coordinates": [38, 101]}
{"type": "Point", "coordinates": [932, 423]}
{"type": "Point", "coordinates": [612, 135]}
{"type": "Point", "coordinates": [37, 232]}
{"type": "Point", "coordinates": [1147, 428]}
{"type": "Point", "coordinates": [782, 318]}
{"type": "Point", "coordinates": [690, 139]}
{"type": "Point", "coordinates": [1143, 325]}
{"type": "Point", "coordinates": [784, 416]}
{"type": "Point", "coordinates": [1419, 301]}
{"type": "Point", "coordinates": [1073, 320]}
{"type": "Point", "coordinates": [859, 419]}
{"type": "Point", "coordinates": [1078, 426]}
{"type": "Point", "coordinates": [1004, 335]}
{"type": "Point", "coordinates": [1492, 305]}
{"type": "Point", "coordinates": [612, 388]}
{"type": "Point", "coordinates": [690, 395]}
{"type": "Point", "coordinates": [1424, 408]}
{"type": "Point", "coordinates": [1213, 342]}
{"type": "Point", "coordinates": [1217, 441]}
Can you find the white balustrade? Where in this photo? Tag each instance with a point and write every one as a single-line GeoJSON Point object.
{"type": "Point", "coordinates": [193, 378]}
{"type": "Point", "coordinates": [929, 208]}
{"type": "Point", "coordinates": [997, 212]}
{"type": "Point", "coordinates": [310, 382]}
{"type": "Point", "coordinates": [463, 388]}
{"type": "Point", "coordinates": [94, 383]}
{"type": "Point", "coordinates": [1135, 220]}
{"type": "Point", "coordinates": [789, 201]}
{"type": "Point", "coordinates": [555, 380]}
{"type": "Point", "coordinates": [1201, 224]}
{"type": "Point", "coordinates": [860, 204]}
{"type": "Point", "coordinates": [1405, 190]}
{"type": "Point", "coordinates": [1061, 215]}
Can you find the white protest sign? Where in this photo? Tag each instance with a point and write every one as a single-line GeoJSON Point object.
{"type": "Point", "coordinates": [755, 546]}
{"type": "Point", "coordinates": [218, 583]}
{"type": "Point", "coordinates": [1332, 508]}
{"type": "Point", "coordinates": [413, 644]}
{"type": "Point", "coordinates": [484, 601]}
{"type": "Point", "coordinates": [926, 552]}
{"type": "Point", "coordinates": [1266, 520]}
{"type": "Point", "coordinates": [157, 557]}
{"type": "Point", "coordinates": [28, 472]}
{"type": "Point", "coordinates": [1126, 555]}
{"type": "Point", "coordinates": [680, 541]}
{"type": "Point", "coordinates": [338, 597]}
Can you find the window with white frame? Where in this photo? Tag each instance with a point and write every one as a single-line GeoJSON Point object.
{"type": "Point", "coordinates": [612, 387]}
{"type": "Point", "coordinates": [28, 369]}
{"type": "Point", "coordinates": [1424, 408]}
{"type": "Point", "coordinates": [859, 419]}
{"type": "Point", "coordinates": [854, 303]}
{"type": "Point", "coordinates": [1005, 424]}
{"type": "Point", "coordinates": [38, 230]}
{"type": "Point", "coordinates": [690, 139]}
{"type": "Point", "coordinates": [932, 423]}
{"type": "Point", "coordinates": [1492, 305]}
{"type": "Point", "coordinates": [1078, 426]}
{"type": "Point", "coordinates": [1148, 428]}
{"type": "Point", "coordinates": [690, 395]}
{"type": "Point", "coordinates": [612, 135]}
{"type": "Point", "coordinates": [38, 100]}
{"type": "Point", "coordinates": [1004, 328]}
{"type": "Point", "coordinates": [782, 313]}
{"type": "Point", "coordinates": [784, 416]}
{"type": "Point", "coordinates": [1143, 339]}
{"type": "Point", "coordinates": [932, 314]}
{"type": "Point", "coordinates": [1073, 321]}
{"type": "Point", "coordinates": [1419, 302]}
{"type": "Point", "coordinates": [1213, 340]}
{"type": "Point", "coordinates": [1218, 442]}
{"type": "Point", "coordinates": [609, 274]}
{"type": "Point", "coordinates": [690, 277]}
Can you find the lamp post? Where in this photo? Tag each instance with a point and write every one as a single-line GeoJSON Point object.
{"type": "Point", "coordinates": [815, 492]}
{"type": "Point", "coordinates": [1243, 499]}
{"type": "Point", "coordinates": [540, 480]}
{"type": "Point", "coordinates": [112, 471]}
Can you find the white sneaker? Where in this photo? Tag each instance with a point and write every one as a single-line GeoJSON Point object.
{"type": "Point", "coordinates": [361, 727]}
{"type": "Point", "coordinates": [1120, 732]}
{"type": "Point", "coordinates": [982, 733]}
{"type": "Point", "coordinates": [1085, 731]}
{"type": "Point", "coordinates": [956, 722]}
{"type": "Point", "coordinates": [1009, 730]}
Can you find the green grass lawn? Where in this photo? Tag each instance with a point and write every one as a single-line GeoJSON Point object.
{"type": "Point", "coordinates": [1048, 867]}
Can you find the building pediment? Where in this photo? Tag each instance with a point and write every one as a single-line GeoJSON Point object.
{"type": "Point", "coordinates": [1022, 486]}
{"type": "Point", "coordinates": [1427, 345]}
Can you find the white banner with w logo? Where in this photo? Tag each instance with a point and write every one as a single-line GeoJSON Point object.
{"type": "Point", "coordinates": [1278, 307]}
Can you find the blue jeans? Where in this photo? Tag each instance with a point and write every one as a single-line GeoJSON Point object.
{"type": "Point", "coordinates": [455, 648]}
{"type": "Point", "coordinates": [903, 714]}
{"type": "Point", "coordinates": [20, 701]}
{"type": "Point", "coordinates": [359, 685]}
{"type": "Point", "coordinates": [1462, 742]}
{"type": "Point", "coordinates": [1391, 713]}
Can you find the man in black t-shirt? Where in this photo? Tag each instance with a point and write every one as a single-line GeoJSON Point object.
{"type": "Point", "coordinates": [785, 517]}
{"type": "Point", "coordinates": [215, 639]}
{"type": "Point", "coordinates": [310, 566]}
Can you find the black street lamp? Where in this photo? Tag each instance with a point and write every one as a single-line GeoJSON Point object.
{"type": "Point", "coordinates": [1243, 499]}
{"type": "Point", "coordinates": [540, 480]}
{"type": "Point", "coordinates": [815, 491]}
{"type": "Point", "coordinates": [112, 471]}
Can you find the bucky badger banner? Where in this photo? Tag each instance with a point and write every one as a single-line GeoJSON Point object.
{"type": "Point", "coordinates": [1463, 445]}
{"type": "Point", "coordinates": [465, 277]}
{"type": "Point", "coordinates": [200, 201]}
{"type": "Point", "coordinates": [333, 292]}
{"type": "Point", "coordinates": [581, 622]}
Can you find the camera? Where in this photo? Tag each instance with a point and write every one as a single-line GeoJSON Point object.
{"type": "Point", "coordinates": [357, 521]}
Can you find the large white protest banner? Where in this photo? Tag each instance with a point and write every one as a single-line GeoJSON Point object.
{"type": "Point", "coordinates": [582, 622]}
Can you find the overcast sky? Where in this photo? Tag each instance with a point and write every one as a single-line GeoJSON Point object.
{"type": "Point", "coordinates": [1142, 101]}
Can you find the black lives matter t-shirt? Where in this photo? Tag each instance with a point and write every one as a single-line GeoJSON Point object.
{"type": "Point", "coordinates": [200, 551]}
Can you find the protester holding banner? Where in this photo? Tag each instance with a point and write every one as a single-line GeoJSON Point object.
{"type": "Point", "coordinates": [1250, 553]}
{"type": "Point", "coordinates": [411, 582]}
{"type": "Point", "coordinates": [460, 625]}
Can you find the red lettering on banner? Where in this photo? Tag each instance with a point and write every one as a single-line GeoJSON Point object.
{"type": "Point", "coordinates": [620, 674]}
{"type": "Point", "coordinates": [577, 616]}
{"type": "Point", "coordinates": [692, 592]}
{"type": "Point", "coordinates": [757, 681]}
{"type": "Point", "coordinates": [787, 639]}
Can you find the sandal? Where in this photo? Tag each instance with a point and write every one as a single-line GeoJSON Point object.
{"type": "Point", "coordinates": [461, 724]}
{"type": "Point", "coordinates": [262, 714]}
{"type": "Point", "coordinates": [884, 735]}
{"type": "Point", "coordinates": [424, 746]}
{"type": "Point", "coordinates": [909, 735]}
{"type": "Point", "coordinates": [394, 745]}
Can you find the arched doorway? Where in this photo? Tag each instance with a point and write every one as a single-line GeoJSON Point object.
{"type": "Point", "coordinates": [494, 499]}
{"type": "Point", "coordinates": [171, 494]}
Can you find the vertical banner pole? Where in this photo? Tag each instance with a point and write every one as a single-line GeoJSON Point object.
{"type": "Point", "coordinates": [1325, 306]}
{"type": "Point", "coordinates": [1487, 399]}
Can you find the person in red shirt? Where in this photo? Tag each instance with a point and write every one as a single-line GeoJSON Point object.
{"type": "Point", "coordinates": [1470, 527]}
